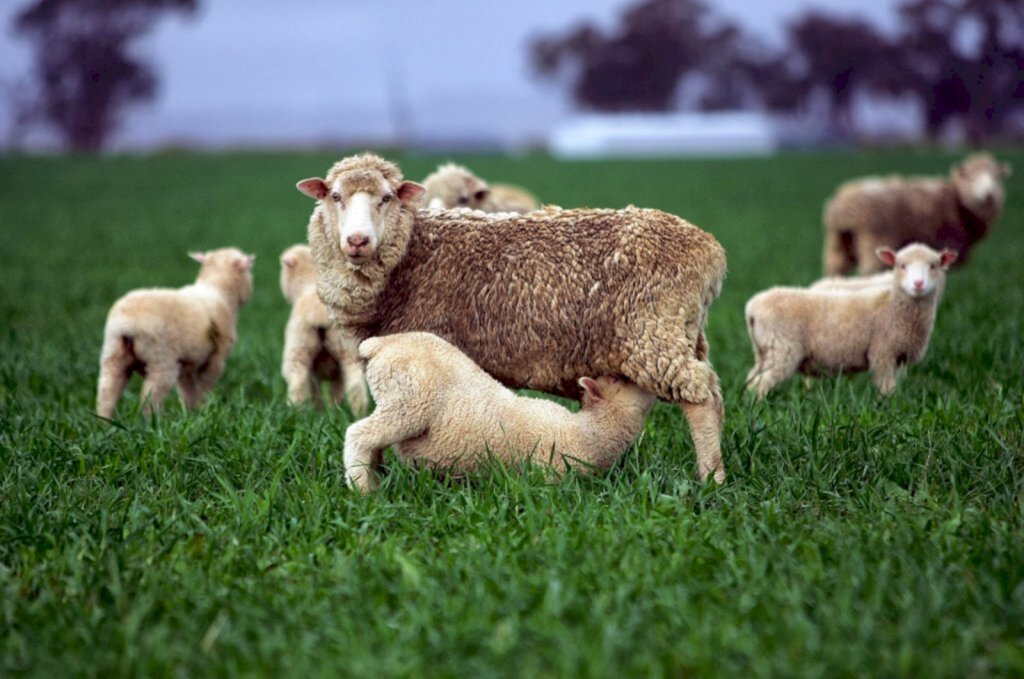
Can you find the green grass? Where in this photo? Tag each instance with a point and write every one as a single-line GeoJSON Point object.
{"type": "Point", "coordinates": [856, 535]}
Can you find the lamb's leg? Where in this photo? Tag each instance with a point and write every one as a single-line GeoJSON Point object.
{"type": "Point", "coordinates": [300, 347]}
{"type": "Point", "coordinates": [355, 387]}
{"type": "Point", "coordinates": [778, 364]}
{"type": "Point", "coordinates": [115, 363]}
{"type": "Point", "coordinates": [367, 438]}
{"type": "Point", "coordinates": [883, 373]}
{"type": "Point", "coordinates": [189, 390]}
{"type": "Point", "coordinates": [209, 373]}
{"type": "Point", "coordinates": [160, 379]}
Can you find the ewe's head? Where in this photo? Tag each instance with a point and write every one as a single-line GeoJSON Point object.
{"type": "Point", "coordinates": [979, 184]}
{"type": "Point", "coordinates": [228, 269]}
{"type": "Point", "coordinates": [298, 271]}
{"type": "Point", "coordinates": [918, 269]}
{"type": "Point", "coordinates": [362, 198]}
{"type": "Point", "coordinates": [453, 186]}
{"type": "Point", "coordinates": [609, 389]}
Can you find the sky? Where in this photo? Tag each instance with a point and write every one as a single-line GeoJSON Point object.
{"type": "Point", "coordinates": [268, 73]}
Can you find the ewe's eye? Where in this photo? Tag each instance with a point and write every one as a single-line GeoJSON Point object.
{"type": "Point", "coordinates": [386, 198]}
{"type": "Point", "coordinates": [336, 196]}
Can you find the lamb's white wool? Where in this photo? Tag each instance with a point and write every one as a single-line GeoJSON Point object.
{"type": "Point", "coordinates": [878, 327]}
{"type": "Point", "coordinates": [878, 280]}
{"type": "Point", "coordinates": [178, 336]}
{"type": "Point", "coordinates": [315, 352]}
{"type": "Point", "coordinates": [436, 406]}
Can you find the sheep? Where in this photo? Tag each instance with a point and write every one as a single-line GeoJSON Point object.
{"type": "Point", "coordinates": [878, 328]}
{"type": "Point", "coordinates": [452, 186]}
{"type": "Point", "coordinates": [436, 406]}
{"type": "Point", "coordinates": [314, 351]}
{"type": "Point", "coordinates": [173, 336]}
{"type": "Point", "coordinates": [953, 213]}
{"type": "Point", "coordinates": [538, 300]}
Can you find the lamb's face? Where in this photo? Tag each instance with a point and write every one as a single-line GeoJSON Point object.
{"type": "Point", "coordinates": [979, 184]}
{"type": "Point", "coordinates": [611, 389]}
{"type": "Point", "coordinates": [228, 266]}
{"type": "Point", "coordinates": [918, 269]}
{"type": "Point", "coordinates": [360, 206]}
{"type": "Point", "coordinates": [454, 186]}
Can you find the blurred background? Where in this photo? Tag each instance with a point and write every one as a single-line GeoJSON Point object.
{"type": "Point", "coordinates": [575, 77]}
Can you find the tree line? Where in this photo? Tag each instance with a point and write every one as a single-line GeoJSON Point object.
{"type": "Point", "coordinates": [961, 61]}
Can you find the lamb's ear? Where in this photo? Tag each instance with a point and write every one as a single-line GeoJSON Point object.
{"type": "Point", "coordinates": [288, 261]}
{"type": "Point", "coordinates": [887, 256]}
{"type": "Point", "coordinates": [1005, 170]}
{"type": "Point", "coordinates": [590, 386]}
{"type": "Point", "coordinates": [244, 263]}
{"type": "Point", "coordinates": [314, 187]}
{"type": "Point", "coordinates": [408, 192]}
{"type": "Point", "coordinates": [947, 257]}
{"type": "Point", "coordinates": [198, 256]}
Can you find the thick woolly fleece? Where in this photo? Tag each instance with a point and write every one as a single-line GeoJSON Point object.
{"type": "Point", "coordinates": [869, 213]}
{"type": "Point", "coordinates": [174, 336]}
{"type": "Point", "coordinates": [538, 300]}
{"type": "Point", "coordinates": [877, 328]}
{"type": "Point", "coordinates": [452, 186]}
{"type": "Point", "coordinates": [315, 351]}
{"type": "Point", "coordinates": [436, 406]}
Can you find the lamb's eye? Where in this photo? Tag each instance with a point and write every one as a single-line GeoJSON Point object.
{"type": "Point", "coordinates": [336, 196]}
{"type": "Point", "coordinates": [903, 266]}
{"type": "Point", "coordinates": [463, 200]}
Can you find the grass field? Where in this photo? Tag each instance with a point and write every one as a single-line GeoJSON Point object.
{"type": "Point", "coordinates": [856, 535]}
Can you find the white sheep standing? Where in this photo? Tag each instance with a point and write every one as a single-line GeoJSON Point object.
{"type": "Point", "coordinates": [315, 351]}
{"type": "Point", "coordinates": [435, 405]}
{"type": "Point", "coordinates": [853, 283]}
{"type": "Point", "coordinates": [878, 328]}
{"type": "Point", "coordinates": [173, 336]}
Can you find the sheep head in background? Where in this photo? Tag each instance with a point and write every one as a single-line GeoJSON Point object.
{"type": "Point", "coordinates": [360, 201]}
{"type": "Point", "coordinates": [979, 184]}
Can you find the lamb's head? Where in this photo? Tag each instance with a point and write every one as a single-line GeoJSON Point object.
{"type": "Point", "coordinates": [453, 186]}
{"type": "Point", "coordinates": [228, 270]}
{"type": "Point", "coordinates": [298, 271]}
{"type": "Point", "coordinates": [362, 200]}
{"type": "Point", "coordinates": [611, 390]}
{"type": "Point", "coordinates": [919, 270]}
{"type": "Point", "coordinates": [979, 184]}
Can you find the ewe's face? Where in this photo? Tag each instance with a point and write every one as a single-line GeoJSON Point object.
{"type": "Point", "coordinates": [979, 183]}
{"type": "Point", "coordinates": [361, 206]}
{"type": "Point", "coordinates": [918, 268]}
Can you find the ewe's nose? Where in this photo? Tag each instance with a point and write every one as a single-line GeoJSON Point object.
{"type": "Point", "coordinates": [358, 240]}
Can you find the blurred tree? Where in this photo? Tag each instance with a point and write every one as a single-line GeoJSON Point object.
{"type": "Point", "coordinates": [640, 64]}
{"type": "Point", "coordinates": [84, 72]}
{"type": "Point", "coordinates": [964, 59]}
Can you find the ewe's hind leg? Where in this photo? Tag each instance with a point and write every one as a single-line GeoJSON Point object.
{"type": "Point", "coordinates": [867, 261]}
{"type": "Point", "coordinates": [365, 439]}
{"type": "Point", "coordinates": [160, 379]}
{"type": "Point", "coordinates": [115, 362]}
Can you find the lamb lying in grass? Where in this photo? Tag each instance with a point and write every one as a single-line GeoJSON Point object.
{"type": "Point", "coordinates": [178, 336]}
{"type": "Point", "coordinates": [437, 406]}
{"type": "Point", "coordinates": [315, 351]}
{"type": "Point", "coordinates": [452, 186]}
{"type": "Point", "coordinates": [877, 328]}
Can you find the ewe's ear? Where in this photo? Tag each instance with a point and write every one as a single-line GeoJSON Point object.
{"type": "Point", "coordinates": [590, 386]}
{"type": "Point", "coordinates": [947, 257]}
{"type": "Point", "coordinates": [887, 256]}
{"type": "Point", "coordinates": [314, 187]}
{"type": "Point", "coordinates": [408, 192]}
{"type": "Point", "coordinates": [198, 256]}
{"type": "Point", "coordinates": [1005, 170]}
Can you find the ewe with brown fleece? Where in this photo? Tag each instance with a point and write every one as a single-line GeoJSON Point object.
{"type": "Point", "coordinates": [953, 213]}
{"type": "Point", "coordinates": [452, 186]}
{"type": "Point", "coordinates": [435, 405]}
{"type": "Point", "coordinates": [849, 330]}
{"type": "Point", "coordinates": [314, 350]}
{"type": "Point", "coordinates": [537, 300]}
{"type": "Point", "coordinates": [173, 336]}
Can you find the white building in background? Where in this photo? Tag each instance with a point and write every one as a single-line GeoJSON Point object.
{"type": "Point", "coordinates": [726, 133]}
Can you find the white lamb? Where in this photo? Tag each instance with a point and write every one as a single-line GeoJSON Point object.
{"type": "Point", "coordinates": [314, 349]}
{"type": "Point", "coordinates": [852, 283]}
{"type": "Point", "coordinates": [435, 405]}
{"type": "Point", "coordinates": [878, 328]}
{"type": "Point", "coordinates": [173, 336]}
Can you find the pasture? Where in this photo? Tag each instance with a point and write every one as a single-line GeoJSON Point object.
{"type": "Point", "coordinates": [856, 535]}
